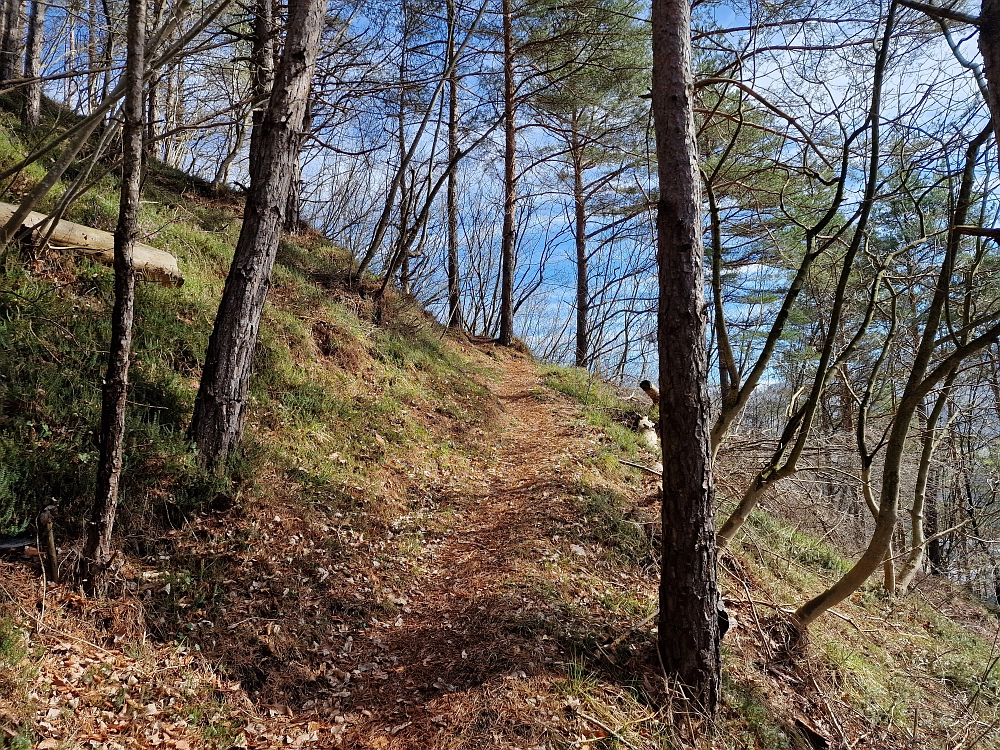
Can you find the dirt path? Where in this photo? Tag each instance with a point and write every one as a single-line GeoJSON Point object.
{"type": "Point", "coordinates": [453, 619]}
{"type": "Point", "coordinates": [474, 626]}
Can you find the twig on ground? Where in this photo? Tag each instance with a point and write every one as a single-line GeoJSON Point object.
{"type": "Point", "coordinates": [607, 729]}
{"type": "Point", "coordinates": [631, 630]}
{"type": "Point", "coordinates": [646, 469]}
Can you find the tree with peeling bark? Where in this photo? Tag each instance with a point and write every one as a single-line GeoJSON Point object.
{"type": "Point", "coordinates": [97, 551]}
{"type": "Point", "coordinates": [220, 407]}
{"type": "Point", "coordinates": [688, 620]}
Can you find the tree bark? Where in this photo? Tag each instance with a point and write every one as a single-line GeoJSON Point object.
{"type": "Point", "coordinates": [454, 289]}
{"type": "Point", "coordinates": [508, 238]}
{"type": "Point", "coordinates": [217, 424]}
{"type": "Point", "coordinates": [33, 65]}
{"type": "Point", "coordinates": [97, 547]}
{"type": "Point", "coordinates": [688, 620]}
{"type": "Point", "coordinates": [153, 107]}
{"type": "Point", "coordinates": [989, 48]}
{"type": "Point", "coordinates": [293, 211]}
{"type": "Point", "coordinates": [580, 242]}
{"type": "Point", "coordinates": [13, 41]}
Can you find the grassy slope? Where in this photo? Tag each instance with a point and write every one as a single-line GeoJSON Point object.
{"type": "Point", "coordinates": [358, 434]}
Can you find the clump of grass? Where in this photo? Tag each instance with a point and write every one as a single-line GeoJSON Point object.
{"type": "Point", "coordinates": [16, 674]}
{"type": "Point", "coordinates": [604, 410]}
{"type": "Point", "coordinates": [608, 523]}
{"type": "Point", "coordinates": [751, 720]}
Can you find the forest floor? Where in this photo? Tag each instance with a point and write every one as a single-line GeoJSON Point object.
{"type": "Point", "coordinates": [472, 633]}
{"type": "Point", "coordinates": [503, 599]}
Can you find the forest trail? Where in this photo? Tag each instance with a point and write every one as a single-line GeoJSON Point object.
{"type": "Point", "coordinates": [472, 635]}
{"type": "Point", "coordinates": [467, 609]}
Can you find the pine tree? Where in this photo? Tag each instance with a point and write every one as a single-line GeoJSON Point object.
{"type": "Point", "coordinates": [217, 425]}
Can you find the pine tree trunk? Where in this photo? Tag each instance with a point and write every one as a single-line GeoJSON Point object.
{"type": "Point", "coordinates": [580, 241]}
{"type": "Point", "coordinates": [454, 288]}
{"type": "Point", "coordinates": [33, 65]}
{"type": "Point", "coordinates": [13, 41]}
{"type": "Point", "coordinates": [153, 88]}
{"type": "Point", "coordinates": [4, 10]}
{"type": "Point", "coordinates": [508, 238]}
{"type": "Point", "coordinates": [97, 547]}
{"type": "Point", "coordinates": [262, 58]}
{"type": "Point", "coordinates": [219, 413]}
{"type": "Point", "coordinates": [93, 61]}
{"type": "Point", "coordinates": [169, 96]}
{"type": "Point", "coordinates": [293, 210]}
{"type": "Point", "coordinates": [688, 620]}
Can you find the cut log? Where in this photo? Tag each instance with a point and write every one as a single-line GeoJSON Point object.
{"type": "Point", "coordinates": [151, 263]}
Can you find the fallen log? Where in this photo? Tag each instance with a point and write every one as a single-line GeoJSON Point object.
{"type": "Point", "coordinates": [150, 263]}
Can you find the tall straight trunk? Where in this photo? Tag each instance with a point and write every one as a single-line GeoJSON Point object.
{"type": "Point", "coordinates": [580, 242]}
{"type": "Point", "coordinates": [506, 336]}
{"type": "Point", "coordinates": [107, 55]}
{"type": "Point", "coordinates": [293, 211]}
{"type": "Point", "coordinates": [97, 547]}
{"type": "Point", "coordinates": [4, 8]}
{"type": "Point", "coordinates": [68, 83]}
{"type": "Point", "coordinates": [13, 41]}
{"type": "Point", "coordinates": [688, 620]}
{"type": "Point", "coordinates": [33, 65]}
{"type": "Point", "coordinates": [262, 57]}
{"type": "Point", "coordinates": [405, 187]}
{"type": "Point", "coordinates": [153, 89]}
{"type": "Point", "coordinates": [93, 58]}
{"type": "Point", "coordinates": [220, 408]}
{"type": "Point", "coordinates": [170, 95]}
{"type": "Point", "coordinates": [153, 109]}
{"type": "Point", "coordinates": [454, 289]}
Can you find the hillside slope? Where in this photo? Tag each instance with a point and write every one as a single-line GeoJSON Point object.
{"type": "Point", "coordinates": [497, 601]}
{"type": "Point", "coordinates": [427, 542]}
